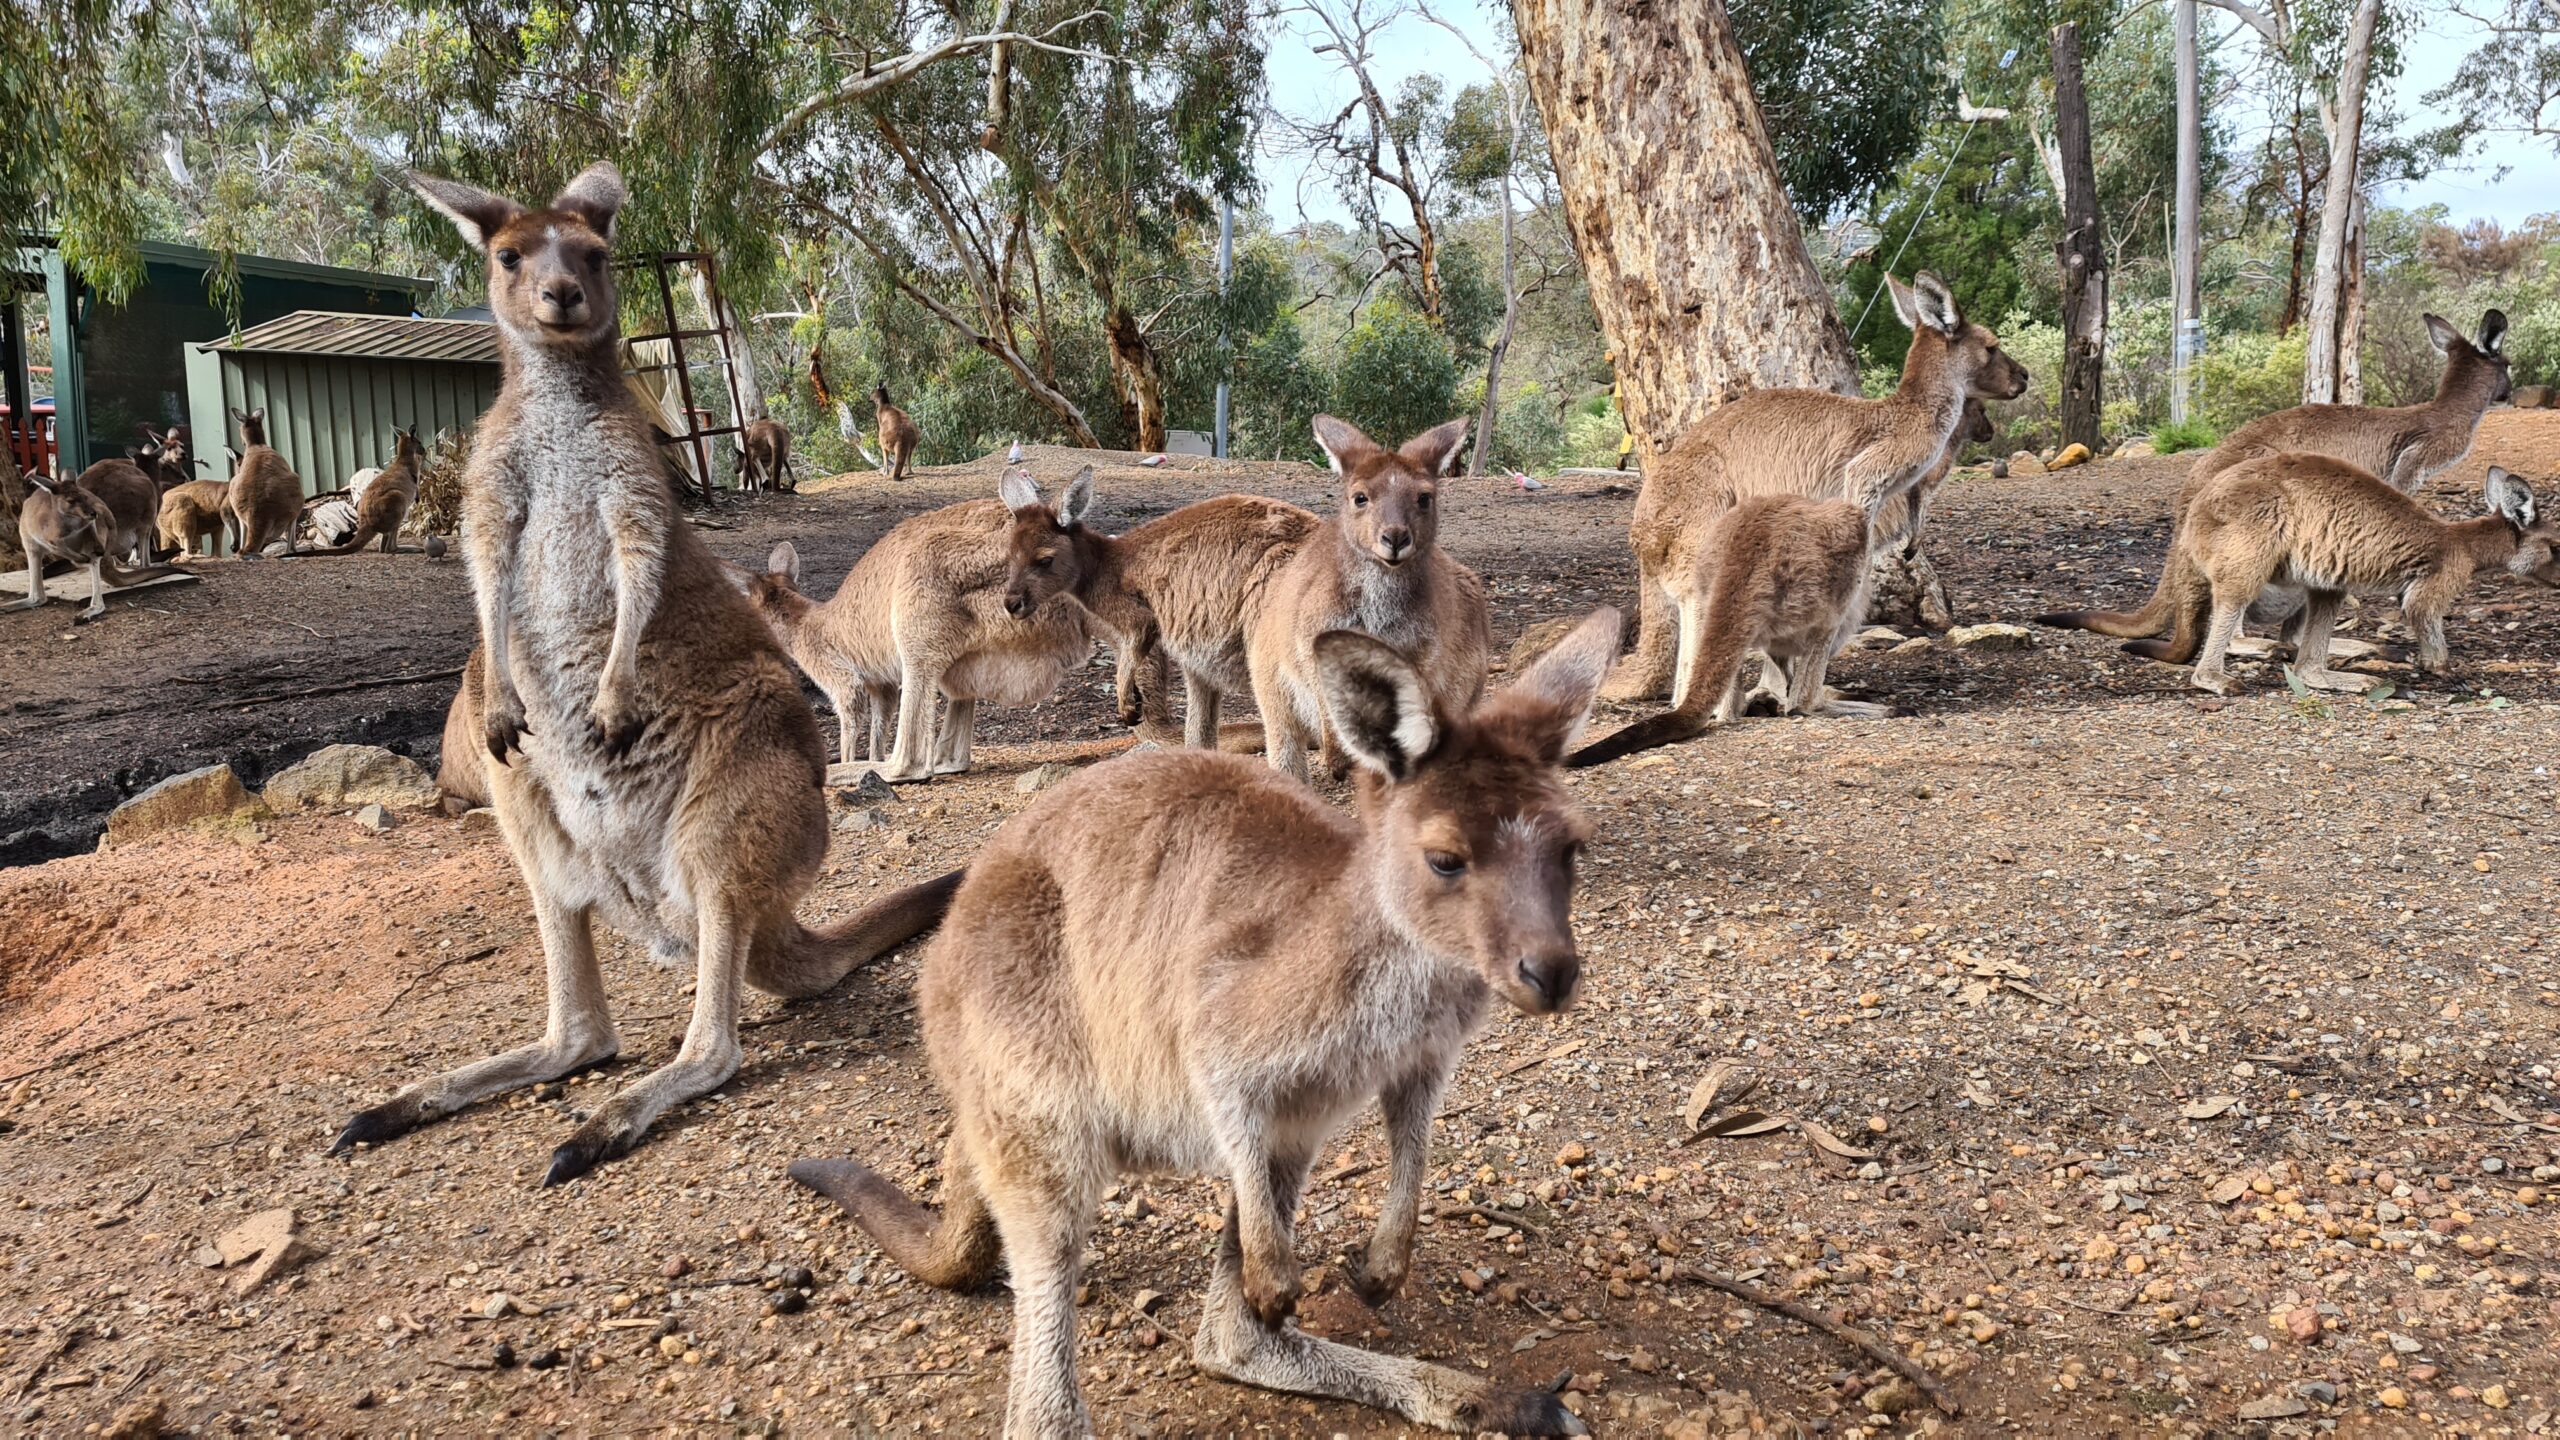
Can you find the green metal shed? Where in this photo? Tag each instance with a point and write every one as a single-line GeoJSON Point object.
{"type": "Point", "coordinates": [334, 386]}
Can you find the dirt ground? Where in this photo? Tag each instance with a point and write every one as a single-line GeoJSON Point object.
{"type": "Point", "coordinates": [2194, 1059]}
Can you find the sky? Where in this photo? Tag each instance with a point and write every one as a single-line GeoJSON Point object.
{"type": "Point", "coordinates": [1308, 85]}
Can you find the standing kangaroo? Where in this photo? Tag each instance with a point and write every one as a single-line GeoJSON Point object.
{"type": "Point", "coordinates": [266, 496]}
{"type": "Point", "coordinates": [387, 498]}
{"type": "Point", "coordinates": [1789, 580]}
{"type": "Point", "coordinates": [1184, 587]}
{"type": "Point", "coordinates": [650, 755]}
{"type": "Point", "coordinates": [2320, 525]}
{"type": "Point", "coordinates": [2403, 446]}
{"type": "Point", "coordinates": [898, 434]}
{"type": "Point", "coordinates": [922, 614]}
{"type": "Point", "coordinates": [764, 460]}
{"type": "Point", "coordinates": [1376, 568]}
{"type": "Point", "coordinates": [1182, 962]}
{"type": "Point", "coordinates": [1801, 442]}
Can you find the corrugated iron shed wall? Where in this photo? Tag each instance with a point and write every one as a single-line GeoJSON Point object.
{"type": "Point", "coordinates": [334, 391]}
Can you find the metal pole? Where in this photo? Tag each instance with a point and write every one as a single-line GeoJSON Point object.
{"type": "Point", "coordinates": [1226, 342]}
{"type": "Point", "coordinates": [2186, 327]}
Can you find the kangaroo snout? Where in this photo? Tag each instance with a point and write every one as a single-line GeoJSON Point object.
{"type": "Point", "coordinates": [1017, 603]}
{"type": "Point", "coordinates": [565, 299]}
{"type": "Point", "coordinates": [1546, 981]}
{"type": "Point", "coordinates": [1394, 544]}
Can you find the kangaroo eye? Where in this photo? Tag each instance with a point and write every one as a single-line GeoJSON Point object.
{"type": "Point", "coordinates": [596, 259]}
{"type": "Point", "coordinates": [508, 259]}
{"type": "Point", "coordinates": [1359, 501]}
{"type": "Point", "coordinates": [1444, 864]}
{"type": "Point", "coordinates": [1422, 501]}
{"type": "Point", "coordinates": [1044, 562]}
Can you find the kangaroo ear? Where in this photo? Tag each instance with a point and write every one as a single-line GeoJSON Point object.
{"type": "Point", "coordinates": [475, 212]}
{"type": "Point", "coordinates": [1077, 500]}
{"type": "Point", "coordinates": [2441, 332]}
{"type": "Point", "coordinates": [1551, 700]}
{"type": "Point", "coordinates": [1343, 443]}
{"type": "Point", "coordinates": [1936, 304]}
{"type": "Point", "coordinates": [1435, 451]}
{"type": "Point", "coordinates": [1376, 703]}
{"type": "Point", "coordinates": [2493, 331]}
{"type": "Point", "coordinates": [2511, 498]}
{"type": "Point", "coordinates": [596, 196]}
{"type": "Point", "coordinates": [1017, 491]}
{"type": "Point", "coordinates": [785, 562]}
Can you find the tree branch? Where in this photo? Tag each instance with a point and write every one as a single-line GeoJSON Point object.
{"type": "Point", "coordinates": [876, 78]}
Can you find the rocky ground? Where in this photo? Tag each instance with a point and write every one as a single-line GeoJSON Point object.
{"type": "Point", "coordinates": [2147, 1062]}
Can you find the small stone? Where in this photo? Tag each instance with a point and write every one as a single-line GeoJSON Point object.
{"type": "Point", "coordinates": [281, 1260]}
{"type": "Point", "coordinates": [141, 1420]}
{"type": "Point", "coordinates": [254, 1236]}
{"type": "Point", "coordinates": [2495, 1397]}
{"type": "Point", "coordinates": [2393, 1398]}
{"type": "Point", "coordinates": [676, 1268]}
{"type": "Point", "coordinates": [1893, 1397]}
{"type": "Point", "coordinates": [1995, 635]}
{"type": "Point", "coordinates": [1041, 777]}
{"type": "Point", "coordinates": [787, 1302]}
{"type": "Point", "coordinates": [2302, 1325]}
{"type": "Point", "coordinates": [860, 786]}
{"type": "Point", "coordinates": [375, 819]}
{"type": "Point", "coordinates": [870, 818]}
{"type": "Point", "coordinates": [1642, 1361]}
{"type": "Point", "coordinates": [2024, 462]}
{"type": "Point", "coordinates": [545, 1359]}
{"type": "Point", "coordinates": [2274, 1407]}
{"type": "Point", "coordinates": [504, 1355]}
{"type": "Point", "coordinates": [1576, 1153]}
{"type": "Point", "coordinates": [480, 819]}
{"type": "Point", "coordinates": [2318, 1392]}
{"type": "Point", "coordinates": [750, 1233]}
{"type": "Point", "coordinates": [1146, 1301]}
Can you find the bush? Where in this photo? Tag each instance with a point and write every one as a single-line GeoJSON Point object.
{"type": "Point", "coordinates": [1592, 434]}
{"type": "Point", "coordinates": [1397, 377]}
{"type": "Point", "coordinates": [2241, 377]}
{"type": "Point", "coordinates": [2190, 434]}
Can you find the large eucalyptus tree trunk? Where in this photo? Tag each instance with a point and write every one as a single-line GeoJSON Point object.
{"type": "Point", "coordinates": [1696, 261]}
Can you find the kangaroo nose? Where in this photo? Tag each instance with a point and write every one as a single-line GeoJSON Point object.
{"type": "Point", "coordinates": [1016, 604]}
{"type": "Point", "coordinates": [566, 294]}
{"type": "Point", "coordinates": [1550, 978]}
{"type": "Point", "coordinates": [1397, 540]}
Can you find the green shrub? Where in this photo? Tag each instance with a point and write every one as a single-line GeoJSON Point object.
{"type": "Point", "coordinates": [1593, 434]}
{"type": "Point", "coordinates": [2241, 377]}
{"type": "Point", "coordinates": [1397, 377]}
{"type": "Point", "coordinates": [2190, 434]}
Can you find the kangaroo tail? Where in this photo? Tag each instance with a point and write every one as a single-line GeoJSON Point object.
{"type": "Point", "coordinates": [1717, 661]}
{"type": "Point", "coordinates": [2191, 603]}
{"type": "Point", "coordinates": [2154, 616]}
{"type": "Point", "coordinates": [809, 962]}
{"type": "Point", "coordinates": [119, 576]}
{"type": "Point", "coordinates": [958, 1250]}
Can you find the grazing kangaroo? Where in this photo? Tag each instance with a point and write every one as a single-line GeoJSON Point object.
{"type": "Point", "coordinates": [924, 613]}
{"type": "Point", "coordinates": [132, 499]}
{"type": "Point", "coordinates": [75, 525]}
{"type": "Point", "coordinates": [387, 498]}
{"type": "Point", "coordinates": [2403, 446]}
{"type": "Point", "coordinates": [196, 514]}
{"type": "Point", "coordinates": [650, 755]}
{"type": "Point", "coordinates": [1377, 567]}
{"type": "Point", "coordinates": [764, 459]}
{"type": "Point", "coordinates": [898, 434]}
{"type": "Point", "coordinates": [1183, 588]}
{"type": "Point", "coordinates": [1802, 442]}
{"type": "Point", "coordinates": [2322, 526]}
{"type": "Point", "coordinates": [266, 496]}
{"type": "Point", "coordinates": [1181, 962]}
{"type": "Point", "coordinates": [1789, 581]}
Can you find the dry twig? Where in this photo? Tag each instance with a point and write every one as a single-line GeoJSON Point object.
{"type": "Point", "coordinates": [1882, 1354]}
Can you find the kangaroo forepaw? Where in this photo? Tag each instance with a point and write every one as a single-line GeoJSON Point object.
{"type": "Point", "coordinates": [617, 725]}
{"type": "Point", "coordinates": [386, 1121]}
{"type": "Point", "coordinates": [1272, 1291]}
{"type": "Point", "coordinates": [1374, 1284]}
{"type": "Point", "coordinates": [1519, 1412]}
{"type": "Point", "coordinates": [505, 730]}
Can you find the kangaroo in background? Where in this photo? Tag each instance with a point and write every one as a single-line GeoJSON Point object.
{"type": "Point", "coordinates": [2323, 526]}
{"type": "Point", "coordinates": [1377, 567]}
{"type": "Point", "coordinates": [132, 500]}
{"type": "Point", "coordinates": [462, 766]}
{"type": "Point", "coordinates": [74, 525]}
{"type": "Point", "coordinates": [265, 503]}
{"type": "Point", "coordinates": [1183, 588]}
{"type": "Point", "coordinates": [1789, 580]}
{"type": "Point", "coordinates": [764, 460]}
{"type": "Point", "coordinates": [650, 756]}
{"type": "Point", "coordinates": [898, 434]}
{"type": "Point", "coordinates": [196, 515]}
{"type": "Point", "coordinates": [924, 613]}
{"type": "Point", "coordinates": [384, 507]}
{"type": "Point", "coordinates": [1182, 962]}
{"type": "Point", "coordinates": [1802, 442]}
{"type": "Point", "coordinates": [2403, 446]}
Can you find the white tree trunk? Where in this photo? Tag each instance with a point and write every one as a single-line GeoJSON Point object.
{"type": "Point", "coordinates": [2322, 370]}
{"type": "Point", "coordinates": [733, 348]}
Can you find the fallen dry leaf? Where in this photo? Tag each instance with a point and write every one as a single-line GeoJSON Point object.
{"type": "Point", "coordinates": [2228, 1189]}
{"type": "Point", "coordinates": [1833, 1143]}
{"type": "Point", "coordinates": [2209, 1108]}
{"type": "Point", "coordinates": [1744, 1122]}
{"type": "Point", "coordinates": [1702, 1098]}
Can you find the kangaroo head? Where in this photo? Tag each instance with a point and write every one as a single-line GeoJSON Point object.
{"type": "Point", "coordinates": [1976, 426]}
{"type": "Point", "coordinates": [880, 395]}
{"type": "Point", "coordinates": [1044, 556]}
{"type": "Point", "coordinates": [405, 446]}
{"type": "Point", "coordinates": [1471, 833]}
{"type": "Point", "coordinates": [2537, 553]}
{"type": "Point", "coordinates": [550, 270]}
{"type": "Point", "coordinates": [2463, 356]}
{"type": "Point", "coordinates": [1941, 336]}
{"type": "Point", "coordinates": [1390, 507]}
{"type": "Point", "coordinates": [253, 425]}
{"type": "Point", "coordinates": [774, 591]}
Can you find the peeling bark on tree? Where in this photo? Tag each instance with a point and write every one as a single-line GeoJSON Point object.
{"type": "Point", "coordinates": [1138, 377]}
{"type": "Point", "coordinates": [2083, 249]}
{"type": "Point", "coordinates": [1695, 259]}
{"type": "Point", "coordinates": [2323, 371]}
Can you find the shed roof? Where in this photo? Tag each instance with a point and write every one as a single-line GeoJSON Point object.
{"type": "Point", "coordinates": [373, 337]}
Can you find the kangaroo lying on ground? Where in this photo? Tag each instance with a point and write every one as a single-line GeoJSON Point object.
{"type": "Point", "coordinates": [924, 613]}
{"type": "Point", "coordinates": [2403, 446]}
{"type": "Point", "coordinates": [266, 496]}
{"type": "Point", "coordinates": [651, 756]}
{"type": "Point", "coordinates": [1802, 442]}
{"type": "Point", "coordinates": [1183, 588]}
{"type": "Point", "coordinates": [764, 460]}
{"type": "Point", "coordinates": [898, 434]}
{"type": "Point", "coordinates": [1790, 581]}
{"type": "Point", "coordinates": [74, 525]}
{"type": "Point", "coordinates": [385, 504]}
{"type": "Point", "coordinates": [1377, 567]}
{"type": "Point", "coordinates": [1182, 962]}
{"type": "Point", "coordinates": [2321, 525]}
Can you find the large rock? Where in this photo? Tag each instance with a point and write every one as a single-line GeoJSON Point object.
{"type": "Point", "coordinates": [212, 796]}
{"type": "Point", "coordinates": [1994, 636]}
{"type": "Point", "coordinates": [336, 775]}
